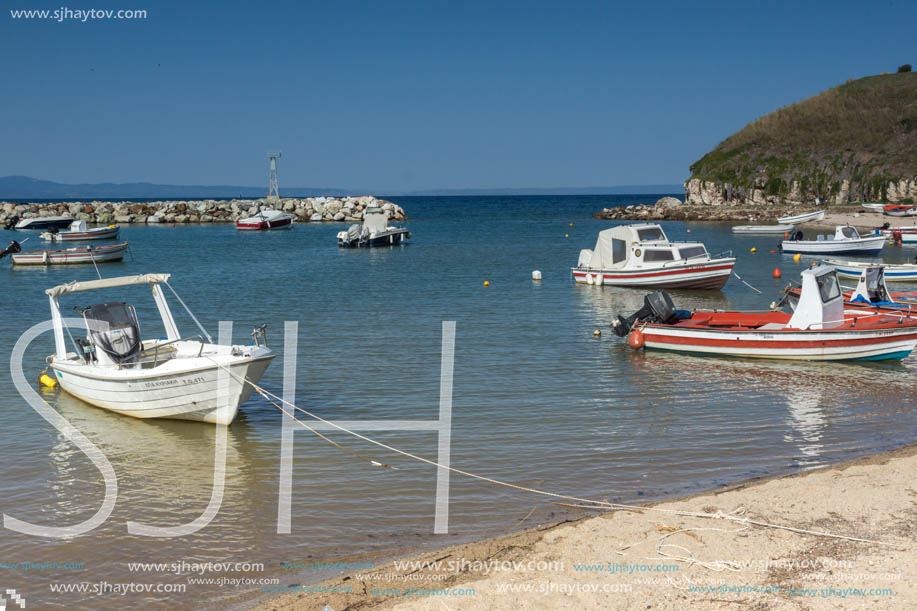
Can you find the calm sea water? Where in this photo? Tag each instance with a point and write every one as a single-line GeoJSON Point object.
{"type": "Point", "coordinates": [537, 400]}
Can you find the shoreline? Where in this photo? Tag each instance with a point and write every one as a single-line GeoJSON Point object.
{"type": "Point", "coordinates": [181, 212]}
{"type": "Point", "coordinates": [871, 497]}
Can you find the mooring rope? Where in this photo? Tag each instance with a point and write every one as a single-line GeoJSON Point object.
{"type": "Point", "coordinates": [733, 516]}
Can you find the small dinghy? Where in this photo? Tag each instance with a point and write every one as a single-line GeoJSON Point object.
{"type": "Point", "coordinates": [266, 220]}
{"type": "Point", "coordinates": [905, 272]}
{"type": "Point", "coordinates": [68, 256]}
{"type": "Point", "coordinates": [845, 241]}
{"type": "Point", "coordinates": [802, 218]}
{"type": "Point", "coordinates": [899, 210]}
{"type": "Point", "coordinates": [873, 207]}
{"type": "Point", "coordinates": [373, 231]}
{"type": "Point", "coordinates": [78, 232]}
{"type": "Point", "coordinates": [818, 330]}
{"type": "Point", "coordinates": [762, 229]}
{"type": "Point", "coordinates": [175, 376]}
{"type": "Point", "coordinates": [45, 222]}
{"type": "Point", "coordinates": [641, 255]}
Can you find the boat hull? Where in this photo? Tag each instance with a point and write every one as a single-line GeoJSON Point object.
{"type": "Point", "coordinates": [802, 218]}
{"type": "Point", "coordinates": [190, 394]}
{"type": "Point", "coordinates": [893, 273]}
{"type": "Point", "coordinates": [762, 229]}
{"type": "Point", "coordinates": [71, 256]}
{"type": "Point", "coordinates": [107, 233]}
{"type": "Point", "coordinates": [861, 246]}
{"type": "Point", "coordinates": [711, 275]}
{"type": "Point", "coordinates": [388, 238]}
{"type": "Point", "coordinates": [826, 345]}
{"type": "Point", "coordinates": [47, 222]}
{"type": "Point", "coordinates": [265, 225]}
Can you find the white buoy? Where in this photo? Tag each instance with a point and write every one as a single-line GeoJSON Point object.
{"type": "Point", "coordinates": [536, 275]}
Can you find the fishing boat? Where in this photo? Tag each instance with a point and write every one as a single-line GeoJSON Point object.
{"type": "Point", "coordinates": [762, 229]}
{"type": "Point", "coordinates": [68, 256]}
{"type": "Point", "coordinates": [845, 241]}
{"type": "Point", "coordinates": [266, 220]}
{"type": "Point", "coordinates": [802, 218]}
{"type": "Point", "coordinates": [78, 232]}
{"type": "Point", "coordinates": [872, 207]}
{"type": "Point", "coordinates": [45, 222]}
{"type": "Point", "coordinates": [904, 272]}
{"type": "Point", "coordinates": [641, 255]}
{"type": "Point", "coordinates": [174, 376]}
{"type": "Point", "coordinates": [373, 231]}
{"type": "Point", "coordinates": [819, 329]}
{"type": "Point", "coordinates": [871, 293]}
{"type": "Point", "coordinates": [903, 235]}
{"type": "Point", "coordinates": [899, 210]}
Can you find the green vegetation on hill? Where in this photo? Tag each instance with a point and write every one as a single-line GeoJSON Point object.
{"type": "Point", "coordinates": [864, 131]}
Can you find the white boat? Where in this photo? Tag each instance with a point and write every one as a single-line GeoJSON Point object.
{"type": "Point", "coordinates": [45, 222]}
{"type": "Point", "coordinates": [905, 235]}
{"type": "Point", "coordinates": [845, 241]}
{"type": "Point", "coordinates": [818, 330]}
{"type": "Point", "coordinates": [802, 218]}
{"type": "Point", "coordinates": [78, 232]}
{"type": "Point", "coordinates": [762, 229]}
{"type": "Point", "coordinates": [893, 273]}
{"type": "Point", "coordinates": [641, 255]}
{"type": "Point", "coordinates": [266, 220]}
{"type": "Point", "coordinates": [899, 210]}
{"type": "Point", "coordinates": [373, 231]}
{"type": "Point", "coordinates": [873, 207]}
{"type": "Point", "coordinates": [66, 256]}
{"type": "Point", "coordinates": [171, 377]}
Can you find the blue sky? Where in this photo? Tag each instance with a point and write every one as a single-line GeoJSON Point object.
{"type": "Point", "coordinates": [395, 96]}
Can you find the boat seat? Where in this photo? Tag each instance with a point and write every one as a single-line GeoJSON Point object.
{"type": "Point", "coordinates": [820, 238]}
{"type": "Point", "coordinates": [772, 326]}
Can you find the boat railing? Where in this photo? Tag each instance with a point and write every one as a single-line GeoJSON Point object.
{"type": "Point", "coordinates": [158, 346]}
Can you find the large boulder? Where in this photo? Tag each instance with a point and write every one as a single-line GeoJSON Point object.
{"type": "Point", "coordinates": [316, 217]}
{"type": "Point", "coordinates": [667, 203]}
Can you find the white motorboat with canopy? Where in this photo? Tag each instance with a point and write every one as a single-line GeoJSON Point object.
{"type": "Point", "coordinates": [171, 377]}
{"type": "Point", "coordinates": [641, 255]}
{"type": "Point", "coordinates": [373, 231]}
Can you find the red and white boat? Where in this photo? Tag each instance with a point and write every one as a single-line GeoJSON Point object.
{"type": "Point", "coordinates": [68, 256]}
{"type": "Point", "coordinates": [265, 220]}
{"type": "Point", "coordinates": [871, 294]}
{"type": "Point", "coordinates": [819, 329]}
{"type": "Point", "coordinates": [78, 232]}
{"type": "Point", "coordinates": [642, 256]}
{"type": "Point", "coordinates": [899, 210]}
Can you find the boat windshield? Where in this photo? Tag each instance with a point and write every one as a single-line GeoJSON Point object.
{"type": "Point", "coordinates": [692, 251]}
{"type": "Point", "coordinates": [115, 329]}
{"type": "Point", "coordinates": [850, 232]}
{"type": "Point", "coordinates": [650, 233]}
{"type": "Point", "coordinates": [828, 287]}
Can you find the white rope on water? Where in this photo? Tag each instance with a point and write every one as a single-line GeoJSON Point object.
{"type": "Point", "coordinates": [732, 516]}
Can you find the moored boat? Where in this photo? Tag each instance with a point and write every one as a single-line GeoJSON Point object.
{"type": "Point", "coordinates": [373, 231]}
{"type": "Point", "coordinates": [819, 328]}
{"type": "Point", "coordinates": [872, 207]}
{"type": "Point", "coordinates": [802, 218]}
{"type": "Point", "coordinates": [845, 241]}
{"type": "Point", "coordinates": [762, 229]}
{"type": "Point", "coordinates": [175, 376]}
{"type": "Point", "coordinates": [904, 272]}
{"type": "Point", "coordinates": [641, 255]}
{"type": "Point", "coordinates": [903, 235]}
{"type": "Point", "coordinates": [78, 232]}
{"type": "Point", "coordinates": [45, 222]}
{"type": "Point", "coordinates": [266, 220]}
{"type": "Point", "coordinates": [67, 256]}
{"type": "Point", "coordinates": [871, 294]}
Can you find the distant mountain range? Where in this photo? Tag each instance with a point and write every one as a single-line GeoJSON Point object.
{"type": "Point", "coordinates": [24, 187]}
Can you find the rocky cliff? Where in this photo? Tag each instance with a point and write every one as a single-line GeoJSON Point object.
{"type": "Point", "coordinates": [853, 143]}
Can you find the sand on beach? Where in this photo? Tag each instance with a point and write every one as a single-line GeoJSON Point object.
{"type": "Point", "coordinates": [652, 559]}
{"type": "Point", "coordinates": [862, 220]}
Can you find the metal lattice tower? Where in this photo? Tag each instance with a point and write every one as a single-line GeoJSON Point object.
{"type": "Point", "coordinates": [273, 188]}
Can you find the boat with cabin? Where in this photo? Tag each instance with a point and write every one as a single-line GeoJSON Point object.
{"type": "Point", "coordinates": [79, 232]}
{"type": "Point", "coordinates": [173, 376]}
{"type": "Point", "coordinates": [845, 241]}
{"type": "Point", "coordinates": [818, 330]}
{"type": "Point", "coordinates": [902, 235]}
{"type": "Point", "coordinates": [265, 220]}
{"type": "Point", "coordinates": [808, 217]}
{"type": "Point", "coordinates": [67, 256]}
{"type": "Point", "coordinates": [641, 255]}
{"type": "Point", "coordinates": [373, 231]}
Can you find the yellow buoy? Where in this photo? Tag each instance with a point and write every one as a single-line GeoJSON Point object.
{"type": "Point", "coordinates": [46, 380]}
{"type": "Point", "coordinates": [754, 249]}
{"type": "Point", "coordinates": [566, 235]}
{"type": "Point", "coordinates": [797, 257]}
{"type": "Point", "coordinates": [571, 224]}
{"type": "Point", "coordinates": [487, 283]}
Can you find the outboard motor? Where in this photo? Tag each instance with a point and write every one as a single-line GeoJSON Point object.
{"type": "Point", "coordinates": [657, 307]}
{"type": "Point", "coordinates": [11, 249]}
{"type": "Point", "coordinates": [796, 235]}
{"type": "Point", "coordinates": [11, 224]}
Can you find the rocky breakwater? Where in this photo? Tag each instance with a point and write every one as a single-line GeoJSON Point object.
{"type": "Point", "coordinates": [310, 209]}
{"type": "Point", "coordinates": [673, 209]}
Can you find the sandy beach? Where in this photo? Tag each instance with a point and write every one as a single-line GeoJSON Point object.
{"type": "Point", "coordinates": [709, 551]}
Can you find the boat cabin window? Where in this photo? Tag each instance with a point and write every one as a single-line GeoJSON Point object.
{"type": "Point", "coordinates": [618, 250]}
{"type": "Point", "coordinates": [850, 232]}
{"type": "Point", "coordinates": [650, 233]}
{"type": "Point", "coordinates": [692, 251]}
{"type": "Point", "coordinates": [828, 287]}
{"type": "Point", "coordinates": [654, 255]}
{"type": "Point", "coordinates": [115, 329]}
